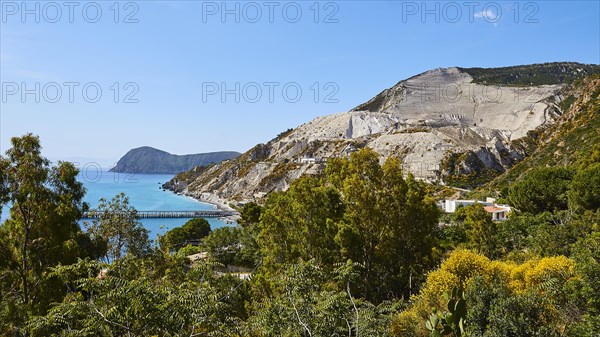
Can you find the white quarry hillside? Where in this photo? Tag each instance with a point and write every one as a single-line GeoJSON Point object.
{"type": "Point", "coordinates": [421, 120]}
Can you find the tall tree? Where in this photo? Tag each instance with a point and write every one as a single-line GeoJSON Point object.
{"type": "Point", "coordinates": [481, 230]}
{"type": "Point", "coordinates": [42, 231]}
{"type": "Point", "coordinates": [118, 224]}
{"type": "Point", "coordinates": [224, 244]}
{"type": "Point", "coordinates": [301, 223]}
{"type": "Point", "coordinates": [249, 221]}
{"type": "Point", "coordinates": [388, 224]}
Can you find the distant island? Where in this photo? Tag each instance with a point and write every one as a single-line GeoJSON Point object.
{"type": "Point", "coordinates": [149, 160]}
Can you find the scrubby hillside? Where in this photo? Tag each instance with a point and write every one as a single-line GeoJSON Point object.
{"type": "Point", "coordinates": [573, 141]}
{"type": "Point", "coordinates": [535, 74]}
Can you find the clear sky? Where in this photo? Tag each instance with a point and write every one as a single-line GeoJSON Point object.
{"type": "Point", "coordinates": [200, 76]}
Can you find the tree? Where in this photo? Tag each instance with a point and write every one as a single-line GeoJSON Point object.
{"type": "Point", "coordinates": [249, 255]}
{"type": "Point", "coordinates": [584, 193]}
{"type": "Point", "coordinates": [306, 303]}
{"type": "Point", "coordinates": [143, 299]}
{"type": "Point", "coordinates": [192, 231]}
{"type": "Point", "coordinates": [388, 224]}
{"type": "Point", "coordinates": [42, 231]}
{"type": "Point", "coordinates": [480, 229]}
{"type": "Point", "coordinates": [555, 233]}
{"type": "Point", "coordinates": [496, 311]}
{"type": "Point", "coordinates": [511, 237]}
{"type": "Point", "coordinates": [223, 244]}
{"type": "Point", "coordinates": [117, 223]}
{"type": "Point", "coordinates": [250, 214]}
{"type": "Point", "coordinates": [541, 189]}
{"type": "Point", "coordinates": [301, 223]}
{"type": "Point", "coordinates": [522, 315]}
{"type": "Point", "coordinates": [503, 298]}
{"type": "Point", "coordinates": [587, 258]}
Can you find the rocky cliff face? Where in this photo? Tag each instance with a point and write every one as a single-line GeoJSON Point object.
{"type": "Point", "coordinates": [441, 123]}
{"type": "Point", "coordinates": [573, 141]}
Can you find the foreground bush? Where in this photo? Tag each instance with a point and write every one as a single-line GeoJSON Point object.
{"type": "Point", "coordinates": [506, 290]}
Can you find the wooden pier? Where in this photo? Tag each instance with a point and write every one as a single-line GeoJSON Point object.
{"type": "Point", "coordinates": [170, 214]}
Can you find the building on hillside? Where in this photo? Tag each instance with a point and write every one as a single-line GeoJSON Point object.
{"type": "Point", "coordinates": [450, 206]}
{"type": "Point", "coordinates": [499, 212]}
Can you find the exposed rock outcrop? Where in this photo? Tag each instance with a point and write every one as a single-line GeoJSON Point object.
{"type": "Point", "coordinates": [440, 123]}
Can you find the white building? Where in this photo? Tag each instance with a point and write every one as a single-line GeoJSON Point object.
{"type": "Point", "coordinates": [499, 212]}
{"type": "Point", "coordinates": [450, 206]}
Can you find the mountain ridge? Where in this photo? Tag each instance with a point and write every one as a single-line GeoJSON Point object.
{"type": "Point", "coordinates": [441, 123]}
{"type": "Point", "coordinates": [149, 160]}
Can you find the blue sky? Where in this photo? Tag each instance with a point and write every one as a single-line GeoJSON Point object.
{"type": "Point", "coordinates": [172, 60]}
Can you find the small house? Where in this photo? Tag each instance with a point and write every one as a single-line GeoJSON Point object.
{"type": "Point", "coordinates": [498, 212]}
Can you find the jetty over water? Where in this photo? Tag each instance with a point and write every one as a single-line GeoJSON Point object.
{"type": "Point", "coordinates": [170, 214]}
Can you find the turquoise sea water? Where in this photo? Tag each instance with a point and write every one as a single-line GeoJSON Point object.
{"type": "Point", "coordinates": [144, 194]}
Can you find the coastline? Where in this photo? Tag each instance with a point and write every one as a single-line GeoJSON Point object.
{"type": "Point", "coordinates": [217, 202]}
{"type": "Point", "coordinates": [222, 204]}
{"type": "Point", "coordinates": [146, 194]}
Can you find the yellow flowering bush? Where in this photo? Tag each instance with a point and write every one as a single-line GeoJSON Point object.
{"type": "Point", "coordinates": [438, 282]}
{"type": "Point", "coordinates": [502, 270]}
{"type": "Point", "coordinates": [517, 275]}
{"type": "Point", "coordinates": [557, 267]}
{"type": "Point", "coordinates": [461, 267]}
{"type": "Point", "coordinates": [536, 271]}
{"type": "Point", "coordinates": [408, 324]}
{"type": "Point", "coordinates": [465, 264]}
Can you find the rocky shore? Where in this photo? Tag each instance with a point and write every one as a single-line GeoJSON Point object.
{"type": "Point", "coordinates": [209, 198]}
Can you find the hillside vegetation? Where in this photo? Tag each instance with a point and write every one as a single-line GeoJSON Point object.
{"type": "Point", "coordinates": [573, 141]}
{"type": "Point", "coordinates": [361, 250]}
{"type": "Point", "coordinates": [535, 74]}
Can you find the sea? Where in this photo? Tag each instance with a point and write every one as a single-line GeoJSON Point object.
{"type": "Point", "coordinates": [145, 194]}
